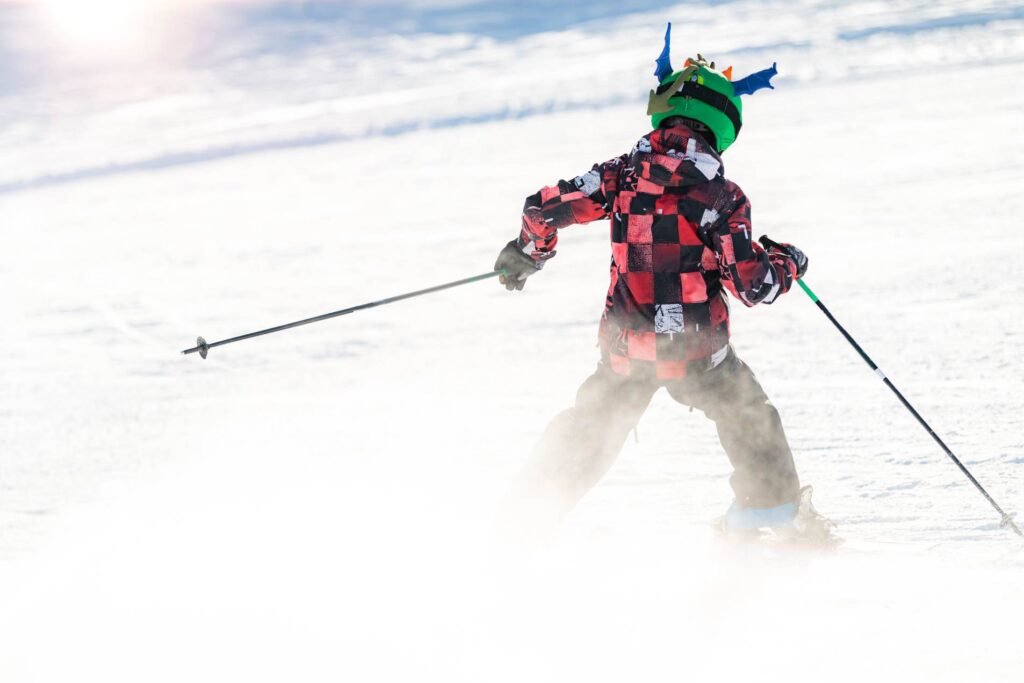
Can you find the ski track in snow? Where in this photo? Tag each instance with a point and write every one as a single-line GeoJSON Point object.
{"type": "Point", "coordinates": [316, 505]}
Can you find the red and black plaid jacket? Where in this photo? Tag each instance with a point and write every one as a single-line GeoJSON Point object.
{"type": "Point", "coordinates": [680, 232]}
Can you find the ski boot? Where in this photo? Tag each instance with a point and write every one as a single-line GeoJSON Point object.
{"type": "Point", "coordinates": [796, 523]}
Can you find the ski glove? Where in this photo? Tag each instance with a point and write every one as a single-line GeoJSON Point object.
{"type": "Point", "coordinates": [799, 257]}
{"type": "Point", "coordinates": [516, 265]}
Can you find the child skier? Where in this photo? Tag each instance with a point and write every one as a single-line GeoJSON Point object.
{"type": "Point", "coordinates": [680, 237]}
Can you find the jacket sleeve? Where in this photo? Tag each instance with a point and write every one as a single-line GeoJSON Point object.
{"type": "Point", "coordinates": [583, 199]}
{"type": "Point", "coordinates": [751, 274]}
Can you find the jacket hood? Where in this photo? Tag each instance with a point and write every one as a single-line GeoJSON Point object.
{"type": "Point", "coordinates": [675, 157]}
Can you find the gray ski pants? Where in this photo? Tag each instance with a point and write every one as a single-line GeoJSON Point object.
{"type": "Point", "coordinates": [581, 443]}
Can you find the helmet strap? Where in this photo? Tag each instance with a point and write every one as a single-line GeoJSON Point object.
{"type": "Point", "coordinates": [701, 129]}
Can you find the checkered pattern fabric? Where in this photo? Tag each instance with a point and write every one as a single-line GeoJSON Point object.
{"type": "Point", "coordinates": [680, 234]}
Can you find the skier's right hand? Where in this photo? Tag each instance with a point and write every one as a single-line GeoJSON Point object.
{"type": "Point", "coordinates": [515, 266]}
{"type": "Point", "coordinates": [798, 256]}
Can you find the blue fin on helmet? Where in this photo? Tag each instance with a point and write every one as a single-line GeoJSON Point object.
{"type": "Point", "coordinates": [754, 82]}
{"type": "Point", "coordinates": [664, 67]}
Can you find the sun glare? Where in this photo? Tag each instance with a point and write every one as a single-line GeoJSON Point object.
{"type": "Point", "coordinates": [100, 24]}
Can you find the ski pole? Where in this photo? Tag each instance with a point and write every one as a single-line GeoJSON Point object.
{"type": "Point", "coordinates": [1006, 519]}
{"type": "Point", "coordinates": [203, 347]}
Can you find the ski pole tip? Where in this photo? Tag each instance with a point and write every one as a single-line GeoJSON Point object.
{"type": "Point", "coordinates": [201, 346]}
{"type": "Point", "coordinates": [1008, 522]}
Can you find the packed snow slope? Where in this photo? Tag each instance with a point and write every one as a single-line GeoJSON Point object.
{"type": "Point", "coordinates": [316, 505]}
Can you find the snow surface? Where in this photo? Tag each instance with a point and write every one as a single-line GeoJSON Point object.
{"type": "Point", "coordinates": [317, 504]}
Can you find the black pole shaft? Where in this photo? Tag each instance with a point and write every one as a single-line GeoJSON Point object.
{"type": "Point", "coordinates": [345, 311]}
{"type": "Point", "coordinates": [1007, 520]}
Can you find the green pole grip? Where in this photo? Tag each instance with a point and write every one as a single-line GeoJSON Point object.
{"type": "Point", "coordinates": [807, 291]}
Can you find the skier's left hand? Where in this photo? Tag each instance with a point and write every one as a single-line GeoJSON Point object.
{"type": "Point", "coordinates": [798, 256]}
{"type": "Point", "coordinates": [516, 266]}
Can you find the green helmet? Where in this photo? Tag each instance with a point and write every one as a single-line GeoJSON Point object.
{"type": "Point", "coordinates": [701, 93]}
{"type": "Point", "coordinates": [704, 94]}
